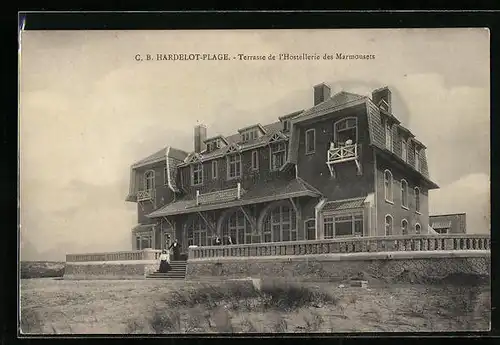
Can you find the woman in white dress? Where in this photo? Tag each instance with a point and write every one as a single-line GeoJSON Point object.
{"type": "Point", "coordinates": [164, 261]}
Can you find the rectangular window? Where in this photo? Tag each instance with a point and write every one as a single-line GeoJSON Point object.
{"type": "Point", "coordinates": [343, 225]}
{"type": "Point", "coordinates": [214, 169]}
{"type": "Point", "coordinates": [233, 166]}
{"type": "Point", "coordinates": [278, 156]}
{"type": "Point", "coordinates": [417, 159]}
{"type": "Point", "coordinates": [197, 174]}
{"type": "Point", "coordinates": [442, 231]}
{"type": "Point", "coordinates": [138, 242]}
{"type": "Point", "coordinates": [404, 150]}
{"type": "Point", "coordinates": [328, 227]}
{"type": "Point", "coordinates": [255, 160]}
{"type": "Point", "coordinates": [310, 229]}
{"type": "Point", "coordinates": [165, 176]}
{"type": "Point", "coordinates": [388, 135]}
{"type": "Point", "coordinates": [310, 141]}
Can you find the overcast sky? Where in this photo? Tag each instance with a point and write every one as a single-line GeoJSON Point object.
{"type": "Point", "coordinates": [88, 110]}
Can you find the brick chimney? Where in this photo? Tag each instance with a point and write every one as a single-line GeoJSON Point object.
{"type": "Point", "coordinates": [200, 134]}
{"type": "Point", "coordinates": [382, 94]}
{"type": "Point", "coordinates": [321, 93]}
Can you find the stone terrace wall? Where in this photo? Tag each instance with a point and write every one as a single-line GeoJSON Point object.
{"type": "Point", "coordinates": [337, 267]}
{"type": "Point", "coordinates": [110, 269]}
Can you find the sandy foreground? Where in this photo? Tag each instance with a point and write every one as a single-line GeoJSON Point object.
{"type": "Point", "coordinates": [54, 306]}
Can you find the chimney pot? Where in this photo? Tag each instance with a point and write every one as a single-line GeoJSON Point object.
{"type": "Point", "coordinates": [321, 93]}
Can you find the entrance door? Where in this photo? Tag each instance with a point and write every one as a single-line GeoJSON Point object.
{"type": "Point", "coordinates": [166, 237]}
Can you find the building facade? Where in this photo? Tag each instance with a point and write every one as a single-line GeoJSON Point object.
{"type": "Point", "coordinates": [449, 223]}
{"type": "Point", "coordinates": [344, 167]}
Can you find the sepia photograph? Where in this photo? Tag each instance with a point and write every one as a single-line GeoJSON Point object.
{"type": "Point", "coordinates": [254, 181]}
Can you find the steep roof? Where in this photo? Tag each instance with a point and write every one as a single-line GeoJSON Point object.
{"type": "Point", "coordinates": [161, 155]}
{"type": "Point", "coordinates": [236, 139]}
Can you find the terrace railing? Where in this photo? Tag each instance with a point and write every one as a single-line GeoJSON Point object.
{"type": "Point", "coordinates": [346, 245]}
{"type": "Point", "coordinates": [145, 254]}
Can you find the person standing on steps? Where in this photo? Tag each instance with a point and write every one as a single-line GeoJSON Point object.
{"type": "Point", "coordinates": [164, 261]}
{"type": "Point", "coordinates": [176, 248]}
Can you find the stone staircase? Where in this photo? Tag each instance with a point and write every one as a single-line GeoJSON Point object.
{"type": "Point", "coordinates": [177, 271]}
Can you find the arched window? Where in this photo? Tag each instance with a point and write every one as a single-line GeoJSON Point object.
{"type": "Point", "coordinates": [280, 224]}
{"type": "Point", "coordinates": [239, 228]}
{"type": "Point", "coordinates": [196, 230]}
{"type": "Point", "coordinates": [149, 179]}
{"type": "Point", "coordinates": [417, 229]}
{"type": "Point", "coordinates": [344, 130]}
{"type": "Point", "coordinates": [388, 186]}
{"type": "Point", "coordinates": [388, 225]}
{"type": "Point", "coordinates": [404, 193]}
{"type": "Point", "coordinates": [417, 199]}
{"type": "Point", "coordinates": [404, 227]}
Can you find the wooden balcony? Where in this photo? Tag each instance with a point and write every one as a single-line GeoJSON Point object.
{"type": "Point", "coordinates": [145, 195]}
{"type": "Point", "coordinates": [346, 245]}
{"type": "Point", "coordinates": [341, 154]}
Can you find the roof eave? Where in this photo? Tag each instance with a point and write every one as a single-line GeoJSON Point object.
{"type": "Point", "coordinates": [241, 202]}
{"type": "Point", "coordinates": [428, 182]}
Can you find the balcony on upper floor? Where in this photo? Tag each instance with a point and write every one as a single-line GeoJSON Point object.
{"type": "Point", "coordinates": [344, 152]}
{"type": "Point", "coordinates": [145, 195]}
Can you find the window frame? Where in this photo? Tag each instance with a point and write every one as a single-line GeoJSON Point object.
{"type": "Point", "coordinates": [270, 222]}
{"type": "Point", "coordinates": [215, 170]}
{"type": "Point", "coordinates": [335, 129]}
{"type": "Point", "coordinates": [331, 219]}
{"type": "Point", "coordinates": [420, 228]}
{"type": "Point", "coordinates": [404, 153]}
{"type": "Point", "coordinates": [404, 230]}
{"type": "Point", "coordinates": [389, 137]}
{"type": "Point", "coordinates": [391, 225]}
{"type": "Point", "coordinates": [416, 158]}
{"type": "Point", "coordinates": [417, 193]}
{"type": "Point", "coordinates": [255, 153]}
{"type": "Point", "coordinates": [308, 149]}
{"type": "Point", "coordinates": [152, 179]}
{"type": "Point", "coordinates": [200, 171]}
{"type": "Point", "coordinates": [237, 163]}
{"type": "Point", "coordinates": [165, 176]}
{"type": "Point", "coordinates": [404, 194]}
{"type": "Point", "coordinates": [307, 227]}
{"type": "Point", "coordinates": [271, 155]}
{"type": "Point", "coordinates": [388, 187]}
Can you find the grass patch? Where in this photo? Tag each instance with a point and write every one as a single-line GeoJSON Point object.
{"type": "Point", "coordinates": [242, 295]}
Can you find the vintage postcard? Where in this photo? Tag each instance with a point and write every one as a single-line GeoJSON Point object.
{"type": "Point", "coordinates": [243, 181]}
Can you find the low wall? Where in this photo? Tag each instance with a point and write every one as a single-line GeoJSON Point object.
{"type": "Point", "coordinates": [127, 269]}
{"type": "Point", "coordinates": [135, 264]}
{"type": "Point", "coordinates": [338, 267]}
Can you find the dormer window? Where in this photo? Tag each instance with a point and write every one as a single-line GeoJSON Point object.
{"type": "Point", "coordinates": [404, 149]}
{"type": "Point", "coordinates": [196, 174]}
{"type": "Point", "coordinates": [417, 158]}
{"type": "Point", "coordinates": [388, 135]}
{"type": "Point", "coordinates": [346, 131]}
{"type": "Point", "coordinates": [278, 155]}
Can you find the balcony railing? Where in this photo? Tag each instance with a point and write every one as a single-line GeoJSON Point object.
{"type": "Point", "coordinates": [346, 245]}
{"type": "Point", "coordinates": [145, 254]}
{"type": "Point", "coordinates": [144, 195]}
{"type": "Point", "coordinates": [342, 153]}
